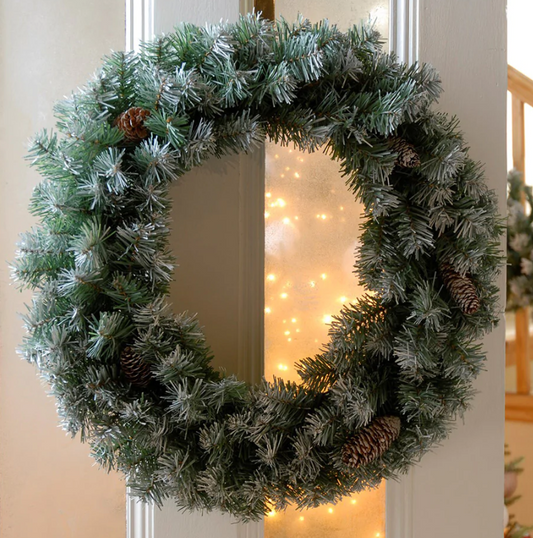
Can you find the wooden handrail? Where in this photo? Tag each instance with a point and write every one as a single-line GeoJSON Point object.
{"type": "Point", "coordinates": [520, 406]}
{"type": "Point", "coordinates": [519, 85]}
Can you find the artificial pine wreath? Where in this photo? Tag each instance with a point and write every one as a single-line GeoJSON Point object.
{"type": "Point", "coordinates": [519, 242]}
{"type": "Point", "coordinates": [136, 381]}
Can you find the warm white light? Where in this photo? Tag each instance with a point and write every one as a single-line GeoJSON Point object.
{"type": "Point", "coordinates": [327, 319]}
{"type": "Point", "coordinates": [302, 518]}
{"type": "Point", "coordinates": [323, 217]}
{"type": "Point", "coordinates": [296, 175]}
{"type": "Point", "coordinates": [268, 194]}
{"type": "Point", "coordinates": [280, 202]}
{"type": "Point", "coordinates": [267, 214]}
{"type": "Point", "coordinates": [283, 367]}
{"type": "Point", "coordinates": [284, 295]}
{"type": "Point", "coordinates": [271, 277]}
{"type": "Point", "coordinates": [286, 220]}
{"type": "Point", "coordinates": [286, 333]}
{"type": "Point", "coordinates": [343, 299]}
{"type": "Point", "coordinates": [342, 208]}
{"type": "Point", "coordinates": [293, 320]}
{"type": "Point", "coordinates": [323, 276]}
{"type": "Point", "coordinates": [276, 156]}
{"type": "Point", "coordinates": [295, 218]}
{"type": "Point", "coordinates": [353, 501]}
{"type": "Point", "coordinates": [267, 310]}
{"type": "Point", "coordinates": [330, 510]}
{"type": "Point", "coordinates": [272, 513]}
{"type": "Point", "coordinates": [312, 283]}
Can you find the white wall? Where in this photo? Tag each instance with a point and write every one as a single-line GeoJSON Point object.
{"type": "Point", "coordinates": [458, 489]}
{"type": "Point", "coordinates": [49, 487]}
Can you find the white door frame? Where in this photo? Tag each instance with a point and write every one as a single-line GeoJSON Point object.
{"type": "Point", "coordinates": [436, 31]}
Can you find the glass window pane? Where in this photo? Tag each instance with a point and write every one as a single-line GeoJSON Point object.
{"type": "Point", "coordinates": [311, 232]}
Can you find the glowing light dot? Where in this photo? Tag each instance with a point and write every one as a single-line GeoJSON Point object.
{"type": "Point", "coordinates": [276, 156]}
{"type": "Point", "coordinates": [343, 299]}
{"type": "Point", "coordinates": [286, 220]}
{"type": "Point", "coordinates": [287, 333]}
{"type": "Point", "coordinates": [287, 168]}
{"type": "Point", "coordinates": [271, 277]}
{"type": "Point", "coordinates": [330, 510]}
{"type": "Point", "coordinates": [323, 276]}
{"type": "Point", "coordinates": [280, 202]}
{"type": "Point", "coordinates": [267, 214]}
{"type": "Point", "coordinates": [293, 320]}
{"type": "Point", "coordinates": [289, 339]}
{"type": "Point", "coordinates": [378, 534]}
{"type": "Point", "coordinates": [297, 330]}
{"type": "Point", "coordinates": [323, 217]}
{"type": "Point", "coordinates": [268, 194]}
{"type": "Point", "coordinates": [342, 208]}
{"type": "Point", "coordinates": [283, 367]}
{"type": "Point", "coordinates": [295, 218]}
{"type": "Point", "coordinates": [290, 151]}
{"type": "Point", "coordinates": [296, 175]}
{"type": "Point", "coordinates": [282, 175]}
{"type": "Point", "coordinates": [312, 283]}
{"type": "Point", "coordinates": [272, 513]}
{"type": "Point", "coordinates": [353, 501]}
{"type": "Point", "coordinates": [302, 518]}
{"type": "Point", "coordinates": [327, 319]}
{"type": "Point", "coordinates": [267, 310]}
{"type": "Point", "coordinates": [284, 295]}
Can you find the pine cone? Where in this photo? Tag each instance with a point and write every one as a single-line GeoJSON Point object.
{"type": "Point", "coordinates": [134, 368]}
{"type": "Point", "coordinates": [131, 123]}
{"type": "Point", "coordinates": [371, 442]}
{"type": "Point", "coordinates": [461, 289]}
{"type": "Point", "coordinates": [407, 155]}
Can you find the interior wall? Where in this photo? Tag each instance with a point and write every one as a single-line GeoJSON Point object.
{"type": "Point", "coordinates": [49, 486]}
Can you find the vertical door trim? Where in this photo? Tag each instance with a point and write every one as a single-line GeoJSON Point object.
{"type": "Point", "coordinates": [139, 27]}
{"type": "Point", "coordinates": [139, 22]}
{"type": "Point", "coordinates": [403, 40]}
{"type": "Point", "coordinates": [403, 29]}
{"type": "Point", "coordinates": [139, 518]}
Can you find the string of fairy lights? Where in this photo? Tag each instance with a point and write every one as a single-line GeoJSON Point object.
{"type": "Point", "coordinates": [311, 221]}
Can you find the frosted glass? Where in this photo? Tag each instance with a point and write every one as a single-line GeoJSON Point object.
{"type": "Point", "coordinates": [311, 233]}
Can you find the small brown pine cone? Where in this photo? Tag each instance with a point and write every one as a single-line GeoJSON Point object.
{"type": "Point", "coordinates": [407, 155]}
{"type": "Point", "coordinates": [134, 368]}
{"type": "Point", "coordinates": [131, 123]}
{"type": "Point", "coordinates": [371, 442]}
{"type": "Point", "coordinates": [461, 289]}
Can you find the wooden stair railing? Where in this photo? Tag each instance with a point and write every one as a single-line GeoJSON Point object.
{"type": "Point", "coordinates": [519, 406]}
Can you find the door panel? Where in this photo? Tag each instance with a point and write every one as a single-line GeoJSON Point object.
{"type": "Point", "coordinates": [457, 490]}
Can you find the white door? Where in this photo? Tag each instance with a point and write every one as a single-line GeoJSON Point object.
{"type": "Point", "coordinates": [456, 492]}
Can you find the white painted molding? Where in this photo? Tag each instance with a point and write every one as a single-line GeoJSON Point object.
{"type": "Point", "coordinates": [403, 40]}
{"type": "Point", "coordinates": [251, 266]}
{"type": "Point", "coordinates": [139, 27]}
{"type": "Point", "coordinates": [139, 518]}
{"type": "Point", "coordinates": [139, 22]}
{"type": "Point", "coordinates": [399, 507]}
{"type": "Point", "coordinates": [403, 29]}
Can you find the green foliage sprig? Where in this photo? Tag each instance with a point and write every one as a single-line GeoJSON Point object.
{"type": "Point", "coordinates": [100, 265]}
{"type": "Point", "coordinates": [519, 242]}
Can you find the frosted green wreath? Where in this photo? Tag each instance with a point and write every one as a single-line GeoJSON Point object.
{"type": "Point", "coordinates": [136, 381]}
